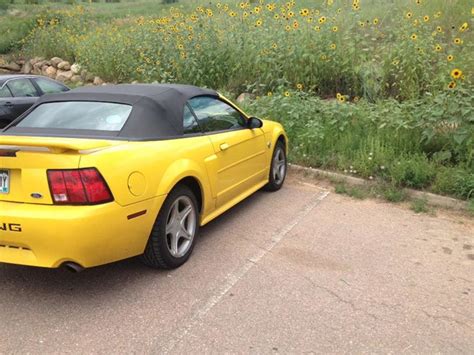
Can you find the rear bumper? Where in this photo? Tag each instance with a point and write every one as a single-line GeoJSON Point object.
{"type": "Point", "coordinates": [49, 235]}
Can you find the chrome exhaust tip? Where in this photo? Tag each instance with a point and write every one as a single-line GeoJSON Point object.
{"type": "Point", "coordinates": [73, 267]}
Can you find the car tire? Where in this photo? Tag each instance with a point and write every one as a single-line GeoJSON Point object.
{"type": "Point", "coordinates": [173, 236]}
{"type": "Point", "coordinates": [278, 168]}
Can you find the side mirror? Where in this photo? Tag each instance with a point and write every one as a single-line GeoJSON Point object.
{"type": "Point", "coordinates": [254, 122]}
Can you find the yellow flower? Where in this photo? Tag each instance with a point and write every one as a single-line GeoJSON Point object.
{"type": "Point", "coordinates": [456, 73]}
{"type": "Point", "coordinates": [256, 9]}
{"type": "Point", "coordinates": [341, 97]}
{"type": "Point", "coordinates": [232, 14]}
{"type": "Point", "coordinates": [450, 58]}
{"type": "Point", "coordinates": [295, 24]}
{"type": "Point", "coordinates": [438, 48]}
{"type": "Point", "coordinates": [317, 28]}
{"type": "Point", "coordinates": [457, 41]}
{"type": "Point", "coordinates": [304, 12]}
{"type": "Point", "coordinates": [414, 37]}
{"type": "Point", "coordinates": [269, 93]}
{"type": "Point", "coordinates": [274, 46]}
{"type": "Point", "coordinates": [287, 94]}
{"type": "Point", "coordinates": [338, 95]}
{"type": "Point", "coordinates": [276, 16]}
{"type": "Point", "coordinates": [376, 21]}
{"type": "Point", "coordinates": [287, 28]}
{"type": "Point", "coordinates": [418, 2]}
{"type": "Point", "coordinates": [209, 13]}
{"type": "Point", "coordinates": [291, 14]}
{"type": "Point", "coordinates": [299, 86]}
{"type": "Point", "coordinates": [243, 5]}
{"type": "Point", "coordinates": [258, 23]}
{"type": "Point", "coordinates": [452, 85]}
{"type": "Point", "coordinates": [426, 18]}
{"type": "Point", "coordinates": [361, 23]}
{"type": "Point", "coordinates": [463, 27]}
{"type": "Point", "coordinates": [355, 7]}
{"type": "Point", "coordinates": [333, 46]}
{"type": "Point", "coordinates": [322, 19]}
{"type": "Point", "coordinates": [408, 15]}
{"type": "Point", "coordinates": [439, 29]}
{"type": "Point", "coordinates": [334, 29]}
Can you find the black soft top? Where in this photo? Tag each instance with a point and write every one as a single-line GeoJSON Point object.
{"type": "Point", "coordinates": [157, 110]}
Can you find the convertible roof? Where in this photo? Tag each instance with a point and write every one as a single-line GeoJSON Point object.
{"type": "Point", "coordinates": [157, 109]}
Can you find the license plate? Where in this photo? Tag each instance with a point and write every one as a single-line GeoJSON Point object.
{"type": "Point", "coordinates": [4, 181]}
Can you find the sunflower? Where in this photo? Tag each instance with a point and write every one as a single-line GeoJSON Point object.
{"type": "Point", "coordinates": [418, 2]}
{"type": "Point", "coordinates": [322, 19]}
{"type": "Point", "coordinates": [408, 15]}
{"type": "Point", "coordinates": [271, 7]}
{"type": "Point", "coordinates": [355, 7]}
{"type": "Point", "coordinates": [243, 5]}
{"type": "Point", "coordinates": [333, 46]}
{"type": "Point", "coordinates": [287, 28]}
{"type": "Point", "coordinates": [291, 14]}
{"type": "Point", "coordinates": [463, 27]}
{"type": "Point", "coordinates": [296, 24]}
{"type": "Point", "coordinates": [338, 95]}
{"type": "Point", "coordinates": [317, 28]}
{"type": "Point", "coordinates": [304, 12]}
{"type": "Point", "coordinates": [439, 29]}
{"type": "Point", "coordinates": [426, 18]}
{"type": "Point", "coordinates": [361, 24]}
{"type": "Point", "coordinates": [452, 85]}
{"type": "Point", "coordinates": [274, 46]}
{"type": "Point", "coordinates": [341, 98]}
{"type": "Point", "coordinates": [457, 41]}
{"type": "Point", "coordinates": [257, 9]}
{"type": "Point", "coordinates": [450, 58]}
{"type": "Point", "coordinates": [287, 94]}
{"type": "Point", "coordinates": [438, 48]}
{"type": "Point", "coordinates": [269, 93]}
{"type": "Point", "coordinates": [376, 21]}
{"type": "Point", "coordinates": [232, 14]}
{"type": "Point", "coordinates": [276, 16]}
{"type": "Point", "coordinates": [334, 29]}
{"type": "Point", "coordinates": [414, 37]}
{"type": "Point", "coordinates": [456, 73]}
{"type": "Point", "coordinates": [299, 86]}
{"type": "Point", "coordinates": [258, 23]}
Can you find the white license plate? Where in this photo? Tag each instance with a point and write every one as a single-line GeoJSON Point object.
{"type": "Point", "coordinates": [4, 181]}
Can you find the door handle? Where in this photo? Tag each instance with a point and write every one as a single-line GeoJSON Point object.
{"type": "Point", "coordinates": [224, 146]}
{"type": "Point", "coordinates": [8, 104]}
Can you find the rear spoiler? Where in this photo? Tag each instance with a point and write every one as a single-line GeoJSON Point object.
{"type": "Point", "coordinates": [54, 145]}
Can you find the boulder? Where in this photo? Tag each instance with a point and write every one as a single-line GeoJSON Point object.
{"type": "Point", "coordinates": [35, 60]}
{"type": "Point", "coordinates": [98, 81]}
{"type": "Point", "coordinates": [12, 66]}
{"type": "Point", "coordinates": [86, 76]}
{"type": "Point", "coordinates": [38, 65]}
{"type": "Point", "coordinates": [244, 97]}
{"type": "Point", "coordinates": [55, 61]}
{"type": "Point", "coordinates": [27, 68]}
{"type": "Point", "coordinates": [76, 69]}
{"type": "Point", "coordinates": [50, 72]}
{"type": "Point", "coordinates": [64, 75]}
{"type": "Point", "coordinates": [75, 78]}
{"type": "Point", "coordinates": [64, 65]}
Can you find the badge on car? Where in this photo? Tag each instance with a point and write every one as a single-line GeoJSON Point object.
{"type": "Point", "coordinates": [4, 181]}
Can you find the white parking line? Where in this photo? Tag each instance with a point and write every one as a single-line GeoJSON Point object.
{"type": "Point", "coordinates": [234, 277]}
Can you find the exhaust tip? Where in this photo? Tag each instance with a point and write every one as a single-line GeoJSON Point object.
{"type": "Point", "coordinates": [73, 267]}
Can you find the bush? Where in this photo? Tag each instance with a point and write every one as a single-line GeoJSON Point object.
{"type": "Point", "coordinates": [415, 171]}
{"type": "Point", "coordinates": [456, 182]}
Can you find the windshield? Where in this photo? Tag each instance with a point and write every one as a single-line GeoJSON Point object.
{"type": "Point", "coordinates": [89, 115]}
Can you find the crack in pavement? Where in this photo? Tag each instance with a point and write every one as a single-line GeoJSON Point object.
{"type": "Point", "coordinates": [446, 318]}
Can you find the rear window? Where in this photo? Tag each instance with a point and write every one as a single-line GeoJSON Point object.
{"type": "Point", "coordinates": [87, 115]}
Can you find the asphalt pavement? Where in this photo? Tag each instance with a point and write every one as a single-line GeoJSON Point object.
{"type": "Point", "coordinates": [302, 270]}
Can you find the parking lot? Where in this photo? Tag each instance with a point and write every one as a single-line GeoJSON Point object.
{"type": "Point", "coordinates": [300, 270]}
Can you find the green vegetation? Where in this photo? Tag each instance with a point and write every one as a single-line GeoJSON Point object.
{"type": "Point", "coordinates": [380, 90]}
{"type": "Point", "coordinates": [419, 205]}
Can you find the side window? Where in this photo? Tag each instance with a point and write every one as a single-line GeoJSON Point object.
{"type": "Point", "coordinates": [22, 88]}
{"type": "Point", "coordinates": [4, 92]}
{"type": "Point", "coordinates": [214, 115]}
{"type": "Point", "coordinates": [189, 122]}
{"type": "Point", "coordinates": [49, 87]}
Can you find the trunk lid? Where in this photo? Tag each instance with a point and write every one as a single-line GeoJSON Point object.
{"type": "Point", "coordinates": [25, 160]}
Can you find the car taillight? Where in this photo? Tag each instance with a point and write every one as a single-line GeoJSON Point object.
{"type": "Point", "coordinates": [78, 187]}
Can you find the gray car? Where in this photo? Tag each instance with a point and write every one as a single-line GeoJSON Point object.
{"type": "Point", "coordinates": [19, 92]}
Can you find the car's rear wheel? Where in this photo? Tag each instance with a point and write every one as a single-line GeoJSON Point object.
{"type": "Point", "coordinates": [174, 233]}
{"type": "Point", "coordinates": [278, 168]}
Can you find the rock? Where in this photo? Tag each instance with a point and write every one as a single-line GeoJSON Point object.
{"type": "Point", "coordinates": [20, 62]}
{"type": "Point", "coordinates": [12, 66]}
{"type": "Point", "coordinates": [64, 65]}
{"type": "Point", "coordinates": [76, 69]}
{"type": "Point", "coordinates": [244, 97]}
{"type": "Point", "coordinates": [55, 61]}
{"type": "Point", "coordinates": [35, 60]}
{"type": "Point", "coordinates": [98, 81]}
{"type": "Point", "coordinates": [64, 75]}
{"type": "Point", "coordinates": [51, 72]}
{"type": "Point", "coordinates": [135, 82]}
{"type": "Point", "coordinates": [75, 78]}
{"type": "Point", "coordinates": [27, 68]}
{"type": "Point", "coordinates": [86, 76]}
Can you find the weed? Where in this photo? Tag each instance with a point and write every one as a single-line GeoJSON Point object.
{"type": "Point", "coordinates": [419, 205]}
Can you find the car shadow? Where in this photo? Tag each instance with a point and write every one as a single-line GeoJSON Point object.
{"type": "Point", "coordinates": [107, 279]}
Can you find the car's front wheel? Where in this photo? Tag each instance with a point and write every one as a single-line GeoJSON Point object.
{"type": "Point", "coordinates": [278, 168]}
{"type": "Point", "coordinates": [174, 233]}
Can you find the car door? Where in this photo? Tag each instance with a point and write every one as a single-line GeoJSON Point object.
{"type": "Point", "coordinates": [6, 106]}
{"type": "Point", "coordinates": [240, 151]}
{"type": "Point", "coordinates": [24, 96]}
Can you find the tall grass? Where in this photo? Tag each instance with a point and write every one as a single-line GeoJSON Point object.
{"type": "Point", "coordinates": [362, 49]}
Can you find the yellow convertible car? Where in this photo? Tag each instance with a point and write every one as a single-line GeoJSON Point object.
{"type": "Point", "coordinates": [101, 174]}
